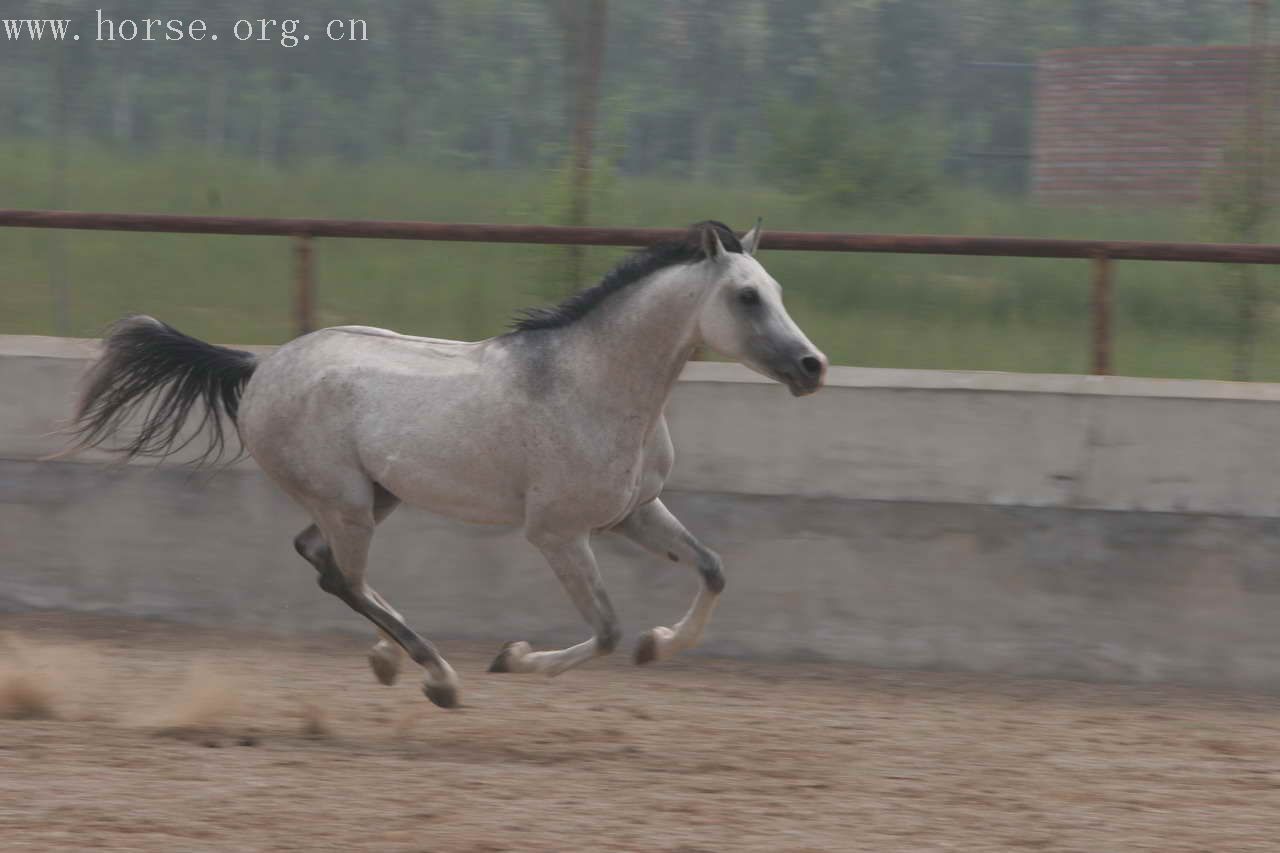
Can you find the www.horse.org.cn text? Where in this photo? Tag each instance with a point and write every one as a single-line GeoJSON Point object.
{"type": "Point", "coordinates": [286, 32]}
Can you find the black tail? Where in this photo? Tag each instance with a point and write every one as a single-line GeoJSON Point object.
{"type": "Point", "coordinates": [140, 356]}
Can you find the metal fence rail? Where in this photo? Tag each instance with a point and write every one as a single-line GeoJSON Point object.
{"type": "Point", "coordinates": [1101, 253]}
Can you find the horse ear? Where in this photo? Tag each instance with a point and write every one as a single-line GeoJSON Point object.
{"type": "Point", "coordinates": [751, 240]}
{"type": "Point", "coordinates": [711, 245]}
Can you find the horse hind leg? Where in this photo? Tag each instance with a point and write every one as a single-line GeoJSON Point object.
{"type": "Point", "coordinates": [339, 549]}
{"type": "Point", "coordinates": [386, 656]}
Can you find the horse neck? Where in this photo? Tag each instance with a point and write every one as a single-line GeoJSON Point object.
{"type": "Point", "coordinates": [642, 338]}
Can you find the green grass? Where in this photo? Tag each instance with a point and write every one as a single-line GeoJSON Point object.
{"type": "Point", "coordinates": [879, 310]}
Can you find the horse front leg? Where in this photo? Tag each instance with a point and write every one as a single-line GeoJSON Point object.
{"type": "Point", "coordinates": [654, 528]}
{"type": "Point", "coordinates": [575, 566]}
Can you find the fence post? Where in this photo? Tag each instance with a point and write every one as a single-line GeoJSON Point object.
{"type": "Point", "coordinates": [304, 289]}
{"type": "Point", "coordinates": [1101, 314]}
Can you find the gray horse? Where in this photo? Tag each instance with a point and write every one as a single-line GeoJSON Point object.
{"type": "Point", "coordinates": [556, 427]}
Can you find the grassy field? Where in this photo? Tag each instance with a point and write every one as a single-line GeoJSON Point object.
{"type": "Point", "coordinates": [878, 310]}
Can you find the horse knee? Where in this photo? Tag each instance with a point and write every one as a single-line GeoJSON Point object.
{"type": "Point", "coordinates": [712, 570]}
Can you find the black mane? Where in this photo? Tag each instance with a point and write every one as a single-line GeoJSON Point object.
{"type": "Point", "coordinates": [637, 266]}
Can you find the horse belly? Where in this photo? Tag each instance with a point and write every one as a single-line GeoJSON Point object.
{"type": "Point", "coordinates": [459, 498]}
{"type": "Point", "coordinates": [458, 476]}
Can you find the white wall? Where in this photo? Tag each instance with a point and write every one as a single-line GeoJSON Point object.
{"type": "Point", "coordinates": [1055, 525]}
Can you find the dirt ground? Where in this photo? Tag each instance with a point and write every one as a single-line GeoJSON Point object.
{"type": "Point", "coordinates": [166, 738]}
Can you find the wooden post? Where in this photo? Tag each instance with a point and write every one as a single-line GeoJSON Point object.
{"type": "Point", "coordinates": [1257, 197]}
{"type": "Point", "coordinates": [1101, 315]}
{"type": "Point", "coordinates": [304, 289]}
{"type": "Point", "coordinates": [587, 37]}
{"type": "Point", "coordinates": [58, 192]}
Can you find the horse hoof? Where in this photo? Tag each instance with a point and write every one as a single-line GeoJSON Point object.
{"type": "Point", "coordinates": [509, 654]}
{"type": "Point", "coordinates": [646, 648]}
{"type": "Point", "coordinates": [442, 695]}
{"type": "Point", "coordinates": [385, 670]}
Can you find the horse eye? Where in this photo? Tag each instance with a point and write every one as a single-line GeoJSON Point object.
{"type": "Point", "coordinates": [749, 296]}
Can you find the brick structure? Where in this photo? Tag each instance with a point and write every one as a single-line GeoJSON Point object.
{"type": "Point", "coordinates": [1136, 124]}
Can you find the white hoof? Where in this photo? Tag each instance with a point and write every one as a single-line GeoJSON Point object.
{"type": "Point", "coordinates": [512, 658]}
{"type": "Point", "coordinates": [384, 660]}
{"type": "Point", "coordinates": [653, 645]}
{"type": "Point", "coordinates": [442, 695]}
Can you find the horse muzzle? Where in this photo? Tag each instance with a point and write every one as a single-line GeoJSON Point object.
{"type": "Point", "coordinates": [805, 374]}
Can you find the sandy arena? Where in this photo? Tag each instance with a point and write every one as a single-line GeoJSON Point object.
{"type": "Point", "coordinates": [166, 738]}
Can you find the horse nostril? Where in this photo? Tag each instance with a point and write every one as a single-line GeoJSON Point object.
{"type": "Point", "coordinates": [811, 364]}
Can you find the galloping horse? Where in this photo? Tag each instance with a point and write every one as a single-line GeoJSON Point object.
{"type": "Point", "coordinates": [556, 427]}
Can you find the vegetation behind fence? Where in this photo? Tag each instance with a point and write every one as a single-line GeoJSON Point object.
{"type": "Point", "coordinates": [884, 310]}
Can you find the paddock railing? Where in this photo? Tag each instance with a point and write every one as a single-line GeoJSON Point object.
{"type": "Point", "coordinates": [1100, 253]}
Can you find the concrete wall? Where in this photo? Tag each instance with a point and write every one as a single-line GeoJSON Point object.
{"type": "Point", "coordinates": [1052, 525]}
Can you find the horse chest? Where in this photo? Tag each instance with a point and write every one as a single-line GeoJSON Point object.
{"type": "Point", "coordinates": [612, 480]}
{"type": "Point", "coordinates": [621, 499]}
